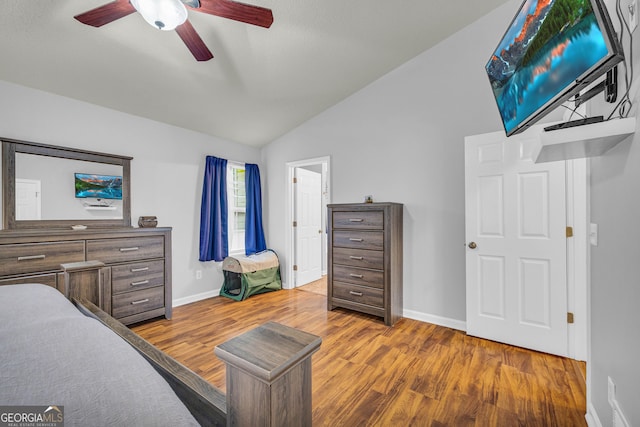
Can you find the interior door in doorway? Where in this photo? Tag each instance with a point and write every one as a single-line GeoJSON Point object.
{"type": "Point", "coordinates": [516, 244]}
{"type": "Point", "coordinates": [308, 226]}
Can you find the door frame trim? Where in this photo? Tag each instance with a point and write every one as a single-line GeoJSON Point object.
{"type": "Point", "coordinates": [578, 189]}
{"type": "Point", "coordinates": [289, 283]}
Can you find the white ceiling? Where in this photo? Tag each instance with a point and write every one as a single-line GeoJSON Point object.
{"type": "Point", "coordinates": [261, 82]}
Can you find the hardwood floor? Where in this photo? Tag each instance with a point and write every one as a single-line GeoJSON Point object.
{"type": "Point", "coordinates": [317, 287]}
{"type": "Point", "coordinates": [368, 374]}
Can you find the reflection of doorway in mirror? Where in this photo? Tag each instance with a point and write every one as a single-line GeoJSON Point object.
{"type": "Point", "coordinates": [28, 199]}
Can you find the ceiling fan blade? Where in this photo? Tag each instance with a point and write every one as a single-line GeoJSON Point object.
{"type": "Point", "coordinates": [107, 13]}
{"type": "Point", "coordinates": [242, 12]}
{"type": "Point", "coordinates": [193, 41]}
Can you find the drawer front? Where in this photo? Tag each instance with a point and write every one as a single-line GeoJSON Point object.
{"type": "Point", "coordinates": [130, 303]}
{"type": "Point", "coordinates": [365, 219]}
{"type": "Point", "coordinates": [373, 240]}
{"type": "Point", "coordinates": [358, 276]}
{"type": "Point", "coordinates": [359, 258]}
{"type": "Point", "coordinates": [45, 279]}
{"type": "Point", "coordinates": [359, 294]}
{"type": "Point", "coordinates": [34, 257]}
{"type": "Point", "coordinates": [128, 249]}
{"type": "Point", "coordinates": [140, 275]}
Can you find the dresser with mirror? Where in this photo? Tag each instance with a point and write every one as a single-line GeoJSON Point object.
{"type": "Point", "coordinates": [53, 233]}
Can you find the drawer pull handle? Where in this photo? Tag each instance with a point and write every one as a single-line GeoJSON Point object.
{"type": "Point", "coordinates": [359, 276]}
{"type": "Point", "coordinates": [142, 301]}
{"type": "Point", "coordinates": [358, 294]}
{"type": "Point", "coordinates": [353, 239]}
{"type": "Point", "coordinates": [31, 257]}
{"type": "Point", "coordinates": [133, 248]}
{"type": "Point", "coordinates": [142, 282]}
{"type": "Point", "coordinates": [137, 270]}
{"type": "Point", "coordinates": [359, 258]}
{"type": "Point", "coordinates": [356, 219]}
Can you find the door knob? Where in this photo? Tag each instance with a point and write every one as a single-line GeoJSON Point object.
{"type": "Point", "coordinates": [473, 245]}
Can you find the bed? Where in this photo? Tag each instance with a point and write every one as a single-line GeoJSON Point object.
{"type": "Point", "coordinates": [73, 356]}
{"type": "Point", "coordinates": [53, 354]}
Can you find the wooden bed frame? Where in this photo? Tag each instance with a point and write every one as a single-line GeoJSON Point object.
{"type": "Point", "coordinates": [258, 392]}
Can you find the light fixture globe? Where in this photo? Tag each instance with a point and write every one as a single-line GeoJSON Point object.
{"type": "Point", "coordinates": [164, 15]}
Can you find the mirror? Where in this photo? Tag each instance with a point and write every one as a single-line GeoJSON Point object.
{"type": "Point", "coordinates": [45, 189]}
{"type": "Point", "coordinates": [55, 187]}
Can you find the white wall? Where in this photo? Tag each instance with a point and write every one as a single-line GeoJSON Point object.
{"type": "Point", "coordinates": [615, 269]}
{"type": "Point", "coordinates": [401, 139]}
{"type": "Point", "coordinates": [166, 171]}
{"type": "Point", "coordinates": [615, 287]}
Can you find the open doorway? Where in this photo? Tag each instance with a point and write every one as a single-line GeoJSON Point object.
{"type": "Point", "coordinates": [308, 195]}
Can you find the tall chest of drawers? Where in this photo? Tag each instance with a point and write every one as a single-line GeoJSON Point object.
{"type": "Point", "coordinates": [365, 259]}
{"type": "Point", "coordinates": [135, 279]}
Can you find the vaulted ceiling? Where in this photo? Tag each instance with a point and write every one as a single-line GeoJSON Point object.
{"type": "Point", "coordinates": [261, 82]}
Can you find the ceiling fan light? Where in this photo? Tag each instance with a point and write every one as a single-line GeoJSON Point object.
{"type": "Point", "coordinates": [164, 15]}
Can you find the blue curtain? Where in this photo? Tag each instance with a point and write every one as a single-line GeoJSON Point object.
{"type": "Point", "coordinates": [214, 241]}
{"type": "Point", "coordinates": [253, 233]}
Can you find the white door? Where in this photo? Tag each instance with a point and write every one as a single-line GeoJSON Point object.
{"type": "Point", "coordinates": [516, 244]}
{"type": "Point", "coordinates": [308, 229]}
{"type": "Point", "coordinates": [28, 199]}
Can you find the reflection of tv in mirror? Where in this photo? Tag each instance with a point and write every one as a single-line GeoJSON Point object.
{"type": "Point", "coordinates": [98, 186]}
{"type": "Point", "coordinates": [552, 50]}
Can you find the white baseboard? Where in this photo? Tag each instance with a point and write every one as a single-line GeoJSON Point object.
{"type": "Point", "coordinates": [592, 416]}
{"type": "Point", "coordinates": [194, 298]}
{"type": "Point", "coordinates": [436, 320]}
{"type": "Point", "coordinates": [619, 420]}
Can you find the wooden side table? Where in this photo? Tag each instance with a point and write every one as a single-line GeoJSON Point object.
{"type": "Point", "coordinates": [269, 376]}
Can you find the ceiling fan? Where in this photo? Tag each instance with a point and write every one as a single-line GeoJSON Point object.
{"type": "Point", "coordinates": [172, 14]}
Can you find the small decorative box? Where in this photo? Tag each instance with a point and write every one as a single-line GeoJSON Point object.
{"type": "Point", "coordinates": [147, 221]}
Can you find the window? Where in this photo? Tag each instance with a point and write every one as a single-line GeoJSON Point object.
{"type": "Point", "coordinates": [237, 205]}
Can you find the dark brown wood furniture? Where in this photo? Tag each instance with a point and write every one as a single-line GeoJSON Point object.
{"type": "Point", "coordinates": [85, 280]}
{"type": "Point", "coordinates": [135, 279]}
{"type": "Point", "coordinates": [365, 259]}
{"type": "Point", "coordinates": [268, 375]}
{"type": "Point", "coordinates": [272, 388]}
{"type": "Point", "coordinates": [31, 313]}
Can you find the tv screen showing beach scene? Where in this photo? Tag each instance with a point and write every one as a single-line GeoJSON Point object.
{"type": "Point", "coordinates": [98, 186]}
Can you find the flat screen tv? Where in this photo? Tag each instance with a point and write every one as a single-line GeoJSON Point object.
{"type": "Point", "coordinates": [98, 186]}
{"type": "Point", "coordinates": [551, 51]}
